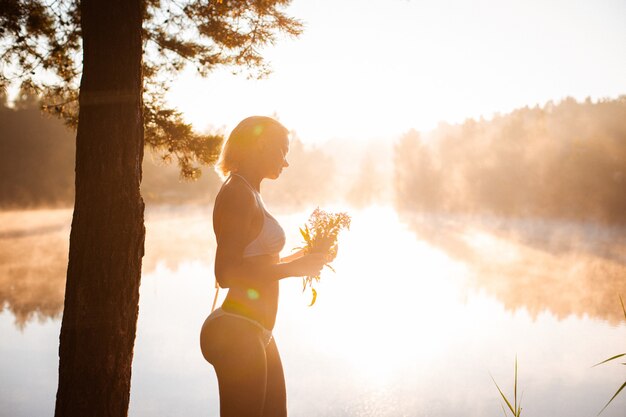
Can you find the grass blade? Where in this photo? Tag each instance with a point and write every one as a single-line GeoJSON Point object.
{"type": "Point", "coordinates": [306, 235]}
{"type": "Point", "coordinates": [610, 359]}
{"type": "Point", "coordinates": [613, 397]}
{"type": "Point", "coordinates": [515, 388]}
{"type": "Point", "coordinates": [503, 396]}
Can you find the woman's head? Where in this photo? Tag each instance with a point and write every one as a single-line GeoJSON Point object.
{"type": "Point", "coordinates": [258, 141]}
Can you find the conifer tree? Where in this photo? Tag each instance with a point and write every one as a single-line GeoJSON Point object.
{"type": "Point", "coordinates": [104, 66]}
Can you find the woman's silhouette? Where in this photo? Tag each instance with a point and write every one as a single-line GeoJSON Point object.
{"type": "Point", "coordinates": [237, 337]}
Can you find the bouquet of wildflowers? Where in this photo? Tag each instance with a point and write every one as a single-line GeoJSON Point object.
{"type": "Point", "coordinates": [320, 236]}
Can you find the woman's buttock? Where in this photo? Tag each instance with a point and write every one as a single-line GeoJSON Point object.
{"type": "Point", "coordinates": [224, 335]}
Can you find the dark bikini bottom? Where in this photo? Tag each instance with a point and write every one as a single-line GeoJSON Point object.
{"type": "Point", "coordinates": [266, 334]}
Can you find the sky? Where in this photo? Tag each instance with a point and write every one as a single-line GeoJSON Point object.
{"type": "Point", "coordinates": [367, 69]}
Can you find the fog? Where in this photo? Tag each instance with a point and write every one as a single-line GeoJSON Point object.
{"type": "Point", "coordinates": [533, 202]}
{"type": "Point", "coordinates": [556, 267]}
{"type": "Point", "coordinates": [564, 161]}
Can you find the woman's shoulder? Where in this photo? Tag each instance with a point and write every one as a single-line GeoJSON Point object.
{"type": "Point", "coordinates": [234, 196]}
{"type": "Point", "coordinates": [235, 207]}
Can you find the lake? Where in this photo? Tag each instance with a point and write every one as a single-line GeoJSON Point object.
{"type": "Point", "coordinates": [422, 312]}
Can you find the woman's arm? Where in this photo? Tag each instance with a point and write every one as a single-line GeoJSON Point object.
{"type": "Point", "coordinates": [233, 217]}
{"type": "Point", "coordinates": [296, 255]}
{"type": "Point", "coordinates": [247, 273]}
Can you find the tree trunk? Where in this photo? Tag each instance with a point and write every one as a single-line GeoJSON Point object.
{"type": "Point", "coordinates": [107, 237]}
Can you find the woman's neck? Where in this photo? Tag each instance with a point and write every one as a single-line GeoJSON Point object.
{"type": "Point", "coordinates": [252, 177]}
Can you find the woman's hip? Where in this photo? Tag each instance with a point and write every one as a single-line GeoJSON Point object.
{"type": "Point", "coordinates": [226, 334]}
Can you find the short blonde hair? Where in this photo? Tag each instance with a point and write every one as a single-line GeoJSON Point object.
{"type": "Point", "coordinates": [243, 141]}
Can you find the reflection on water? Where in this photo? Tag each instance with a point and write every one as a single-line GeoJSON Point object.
{"type": "Point", "coordinates": [33, 262]}
{"type": "Point", "coordinates": [34, 248]}
{"type": "Point", "coordinates": [565, 268]}
{"type": "Point", "coordinates": [417, 315]}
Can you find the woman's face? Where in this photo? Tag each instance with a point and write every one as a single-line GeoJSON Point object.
{"type": "Point", "coordinates": [274, 157]}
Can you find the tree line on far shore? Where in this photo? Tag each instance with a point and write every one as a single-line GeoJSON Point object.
{"type": "Point", "coordinates": [37, 154]}
{"type": "Point", "coordinates": [565, 160]}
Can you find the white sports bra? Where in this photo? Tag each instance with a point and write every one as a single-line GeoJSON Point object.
{"type": "Point", "coordinates": [271, 238]}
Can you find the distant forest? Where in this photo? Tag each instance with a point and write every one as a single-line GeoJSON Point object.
{"type": "Point", "coordinates": [37, 168]}
{"type": "Point", "coordinates": [37, 163]}
{"type": "Point", "coordinates": [36, 157]}
{"type": "Point", "coordinates": [565, 160]}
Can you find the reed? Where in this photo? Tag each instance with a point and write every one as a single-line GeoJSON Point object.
{"type": "Point", "coordinates": [612, 359]}
{"type": "Point", "coordinates": [516, 407]}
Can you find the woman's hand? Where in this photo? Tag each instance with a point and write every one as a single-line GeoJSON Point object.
{"type": "Point", "coordinates": [296, 255]}
{"type": "Point", "coordinates": [323, 244]}
{"type": "Point", "coordinates": [309, 265]}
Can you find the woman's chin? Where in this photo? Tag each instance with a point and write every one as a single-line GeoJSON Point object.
{"type": "Point", "coordinates": [274, 175]}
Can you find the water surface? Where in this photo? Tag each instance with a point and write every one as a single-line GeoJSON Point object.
{"type": "Point", "coordinates": [421, 310]}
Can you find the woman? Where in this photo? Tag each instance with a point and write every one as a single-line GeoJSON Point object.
{"type": "Point", "coordinates": [237, 337]}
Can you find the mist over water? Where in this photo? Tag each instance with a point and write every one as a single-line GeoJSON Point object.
{"type": "Point", "coordinates": [419, 307]}
{"type": "Point", "coordinates": [562, 267]}
{"type": "Point", "coordinates": [470, 245]}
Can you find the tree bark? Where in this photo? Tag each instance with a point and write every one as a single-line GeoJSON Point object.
{"type": "Point", "coordinates": [107, 236]}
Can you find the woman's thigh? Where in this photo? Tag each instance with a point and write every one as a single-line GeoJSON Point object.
{"type": "Point", "coordinates": [275, 393]}
{"type": "Point", "coordinates": [238, 356]}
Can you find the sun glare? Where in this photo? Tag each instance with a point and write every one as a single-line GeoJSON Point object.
{"type": "Point", "coordinates": [413, 71]}
{"type": "Point", "coordinates": [387, 301]}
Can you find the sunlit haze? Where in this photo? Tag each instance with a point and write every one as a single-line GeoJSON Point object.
{"type": "Point", "coordinates": [364, 70]}
{"type": "Point", "coordinates": [477, 147]}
